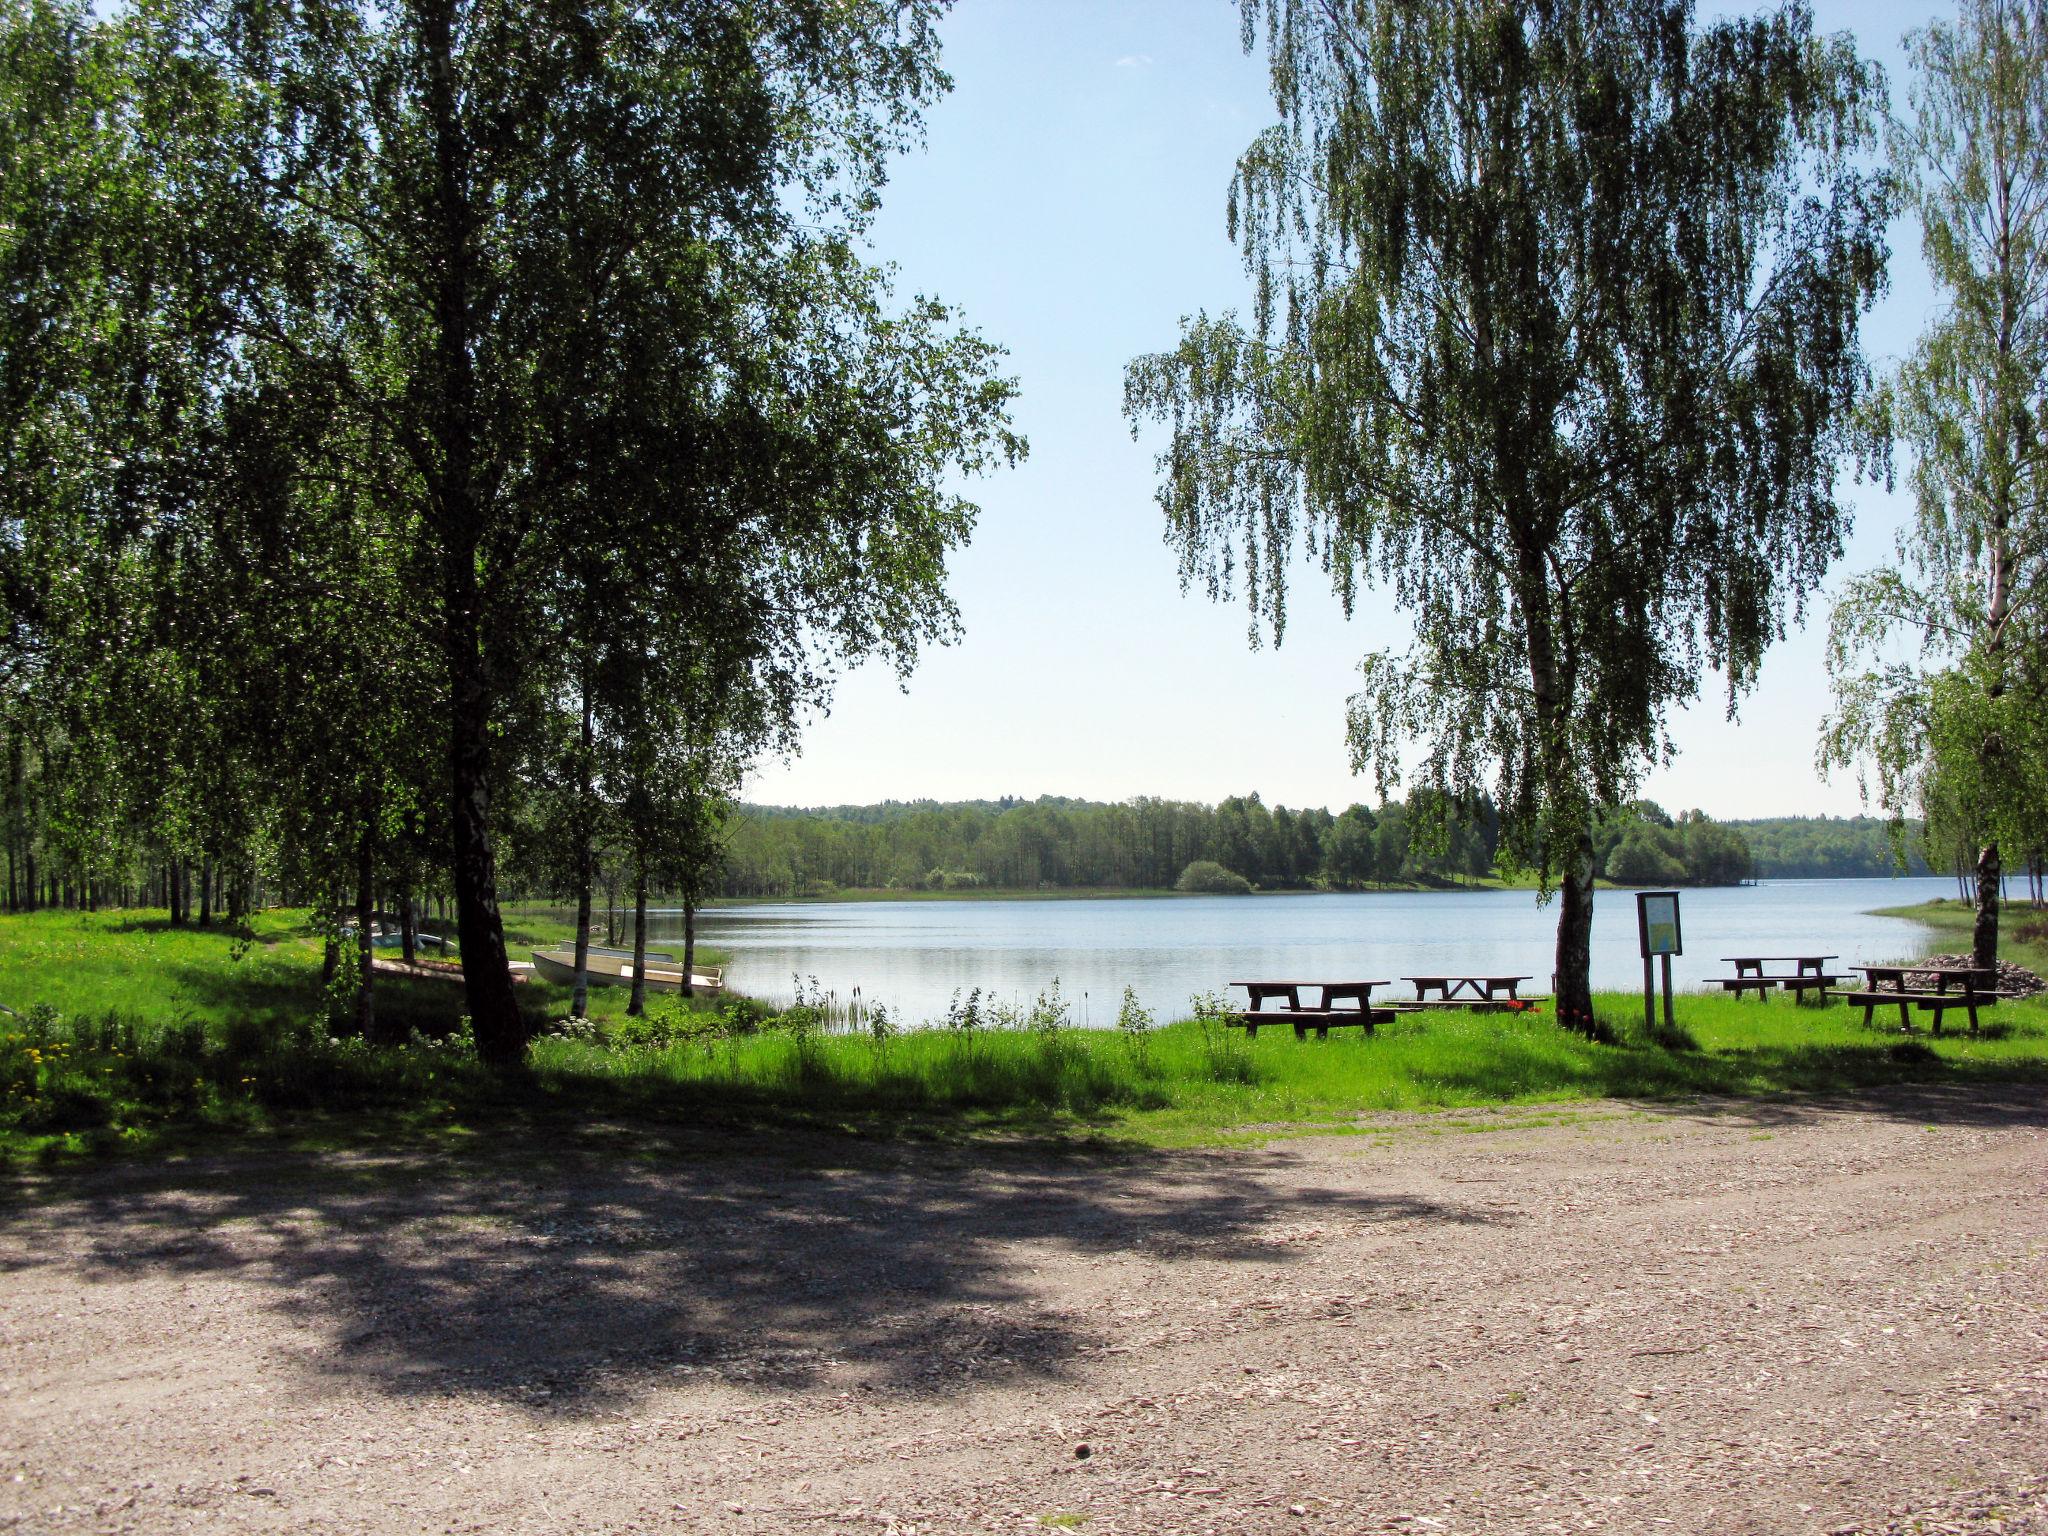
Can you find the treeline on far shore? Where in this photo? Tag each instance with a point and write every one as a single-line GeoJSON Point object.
{"type": "Point", "coordinates": [1153, 844]}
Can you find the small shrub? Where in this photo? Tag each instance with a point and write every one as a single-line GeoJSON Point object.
{"type": "Point", "coordinates": [244, 1038]}
{"type": "Point", "coordinates": [1134, 1027]}
{"type": "Point", "coordinates": [666, 1022]}
{"type": "Point", "coordinates": [1208, 878]}
{"type": "Point", "coordinates": [1050, 1021]}
{"type": "Point", "coordinates": [40, 1024]}
{"type": "Point", "coordinates": [184, 1041]}
{"type": "Point", "coordinates": [1226, 1053]}
{"type": "Point", "coordinates": [1051, 1013]}
{"type": "Point", "coordinates": [964, 1016]}
{"type": "Point", "coordinates": [741, 1016]}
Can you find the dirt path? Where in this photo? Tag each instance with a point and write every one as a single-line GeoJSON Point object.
{"type": "Point", "coordinates": [1727, 1319]}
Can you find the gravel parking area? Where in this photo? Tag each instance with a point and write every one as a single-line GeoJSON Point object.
{"type": "Point", "coordinates": [1721, 1317]}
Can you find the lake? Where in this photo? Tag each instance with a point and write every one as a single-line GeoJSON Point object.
{"type": "Point", "coordinates": [913, 955]}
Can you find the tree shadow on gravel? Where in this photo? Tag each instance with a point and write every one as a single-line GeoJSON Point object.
{"type": "Point", "coordinates": [570, 1276]}
{"type": "Point", "coordinates": [1959, 1101]}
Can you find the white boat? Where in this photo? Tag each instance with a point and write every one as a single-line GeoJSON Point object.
{"type": "Point", "coordinates": [612, 969]}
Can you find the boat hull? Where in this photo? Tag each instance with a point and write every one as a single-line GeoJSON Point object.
{"type": "Point", "coordinates": [616, 971]}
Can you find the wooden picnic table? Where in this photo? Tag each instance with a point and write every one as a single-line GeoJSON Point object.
{"type": "Point", "coordinates": [1289, 992]}
{"type": "Point", "coordinates": [1809, 973]}
{"type": "Point", "coordinates": [1885, 985]}
{"type": "Point", "coordinates": [1319, 1018]}
{"type": "Point", "coordinates": [1753, 965]}
{"type": "Point", "coordinates": [1878, 975]}
{"type": "Point", "coordinates": [1482, 989]}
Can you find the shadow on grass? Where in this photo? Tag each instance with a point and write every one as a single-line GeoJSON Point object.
{"type": "Point", "coordinates": [570, 1273]}
{"type": "Point", "coordinates": [1889, 1075]}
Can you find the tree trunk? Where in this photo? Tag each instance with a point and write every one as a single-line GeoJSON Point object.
{"type": "Point", "coordinates": [408, 928]}
{"type": "Point", "coordinates": [486, 973]}
{"type": "Point", "coordinates": [1575, 938]}
{"type": "Point", "coordinates": [579, 1004]}
{"type": "Point", "coordinates": [638, 1005]}
{"type": "Point", "coordinates": [330, 952]}
{"type": "Point", "coordinates": [689, 941]}
{"type": "Point", "coordinates": [458, 519]}
{"type": "Point", "coordinates": [366, 922]}
{"type": "Point", "coordinates": [1984, 934]}
{"type": "Point", "coordinates": [1562, 788]}
{"type": "Point", "coordinates": [206, 891]}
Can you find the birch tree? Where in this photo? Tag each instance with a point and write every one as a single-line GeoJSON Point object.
{"type": "Point", "coordinates": [1554, 337]}
{"type": "Point", "coordinates": [1971, 406]}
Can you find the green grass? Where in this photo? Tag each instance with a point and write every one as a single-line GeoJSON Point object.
{"type": "Point", "coordinates": [140, 1035]}
{"type": "Point", "coordinates": [2022, 931]}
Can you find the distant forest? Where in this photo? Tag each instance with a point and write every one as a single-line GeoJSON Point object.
{"type": "Point", "coordinates": [1148, 844]}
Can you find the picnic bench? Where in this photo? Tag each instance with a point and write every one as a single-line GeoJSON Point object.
{"type": "Point", "coordinates": [1885, 985]}
{"type": "Point", "coordinates": [1480, 994]}
{"type": "Point", "coordinates": [1809, 974]}
{"type": "Point", "coordinates": [1322, 1018]}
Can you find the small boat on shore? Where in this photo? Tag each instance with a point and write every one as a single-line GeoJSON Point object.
{"type": "Point", "coordinates": [613, 968]}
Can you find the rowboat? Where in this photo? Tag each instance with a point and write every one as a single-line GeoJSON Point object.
{"type": "Point", "coordinates": [612, 969]}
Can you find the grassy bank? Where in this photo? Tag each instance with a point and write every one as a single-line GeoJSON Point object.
{"type": "Point", "coordinates": [2022, 931]}
{"type": "Point", "coordinates": [131, 1034]}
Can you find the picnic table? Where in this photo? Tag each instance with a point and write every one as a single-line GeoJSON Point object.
{"type": "Point", "coordinates": [1321, 1018]}
{"type": "Point", "coordinates": [1477, 992]}
{"type": "Point", "coordinates": [1885, 985]}
{"type": "Point", "coordinates": [1809, 973]}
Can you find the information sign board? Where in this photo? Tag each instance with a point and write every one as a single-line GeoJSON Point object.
{"type": "Point", "coordinates": [1657, 923]}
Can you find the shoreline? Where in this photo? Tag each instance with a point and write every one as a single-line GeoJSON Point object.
{"type": "Point", "coordinates": [858, 895]}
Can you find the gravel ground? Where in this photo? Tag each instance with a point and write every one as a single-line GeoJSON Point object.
{"type": "Point", "coordinates": [1726, 1318]}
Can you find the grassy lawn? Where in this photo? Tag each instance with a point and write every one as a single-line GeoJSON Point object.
{"type": "Point", "coordinates": [129, 1033]}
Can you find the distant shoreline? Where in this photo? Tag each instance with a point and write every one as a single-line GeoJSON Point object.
{"type": "Point", "coordinates": [865, 894]}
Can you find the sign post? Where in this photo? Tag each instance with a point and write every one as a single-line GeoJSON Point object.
{"type": "Point", "coordinates": [1657, 928]}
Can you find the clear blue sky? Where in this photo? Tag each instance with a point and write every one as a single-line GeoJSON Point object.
{"type": "Point", "coordinates": [1070, 203]}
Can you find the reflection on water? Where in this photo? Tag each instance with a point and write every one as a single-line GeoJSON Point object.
{"type": "Point", "coordinates": [913, 955]}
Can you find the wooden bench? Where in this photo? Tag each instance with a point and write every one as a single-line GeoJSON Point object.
{"type": "Point", "coordinates": [1799, 985]}
{"type": "Point", "coordinates": [1469, 1004]}
{"type": "Point", "coordinates": [1321, 1020]}
{"type": "Point", "coordinates": [1741, 984]}
{"type": "Point", "coordinates": [1936, 1003]}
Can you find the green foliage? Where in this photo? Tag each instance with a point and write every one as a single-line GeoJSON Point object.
{"type": "Point", "coordinates": [1831, 847]}
{"type": "Point", "coordinates": [1209, 878]}
{"type": "Point", "coordinates": [1134, 1023]}
{"type": "Point", "coordinates": [1144, 843]}
{"type": "Point", "coordinates": [430, 421]}
{"type": "Point", "coordinates": [1956, 733]}
{"type": "Point", "coordinates": [1554, 334]}
{"type": "Point", "coordinates": [1646, 847]}
{"type": "Point", "coordinates": [1639, 860]}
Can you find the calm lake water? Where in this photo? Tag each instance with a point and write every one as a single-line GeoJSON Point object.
{"type": "Point", "coordinates": [913, 955]}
